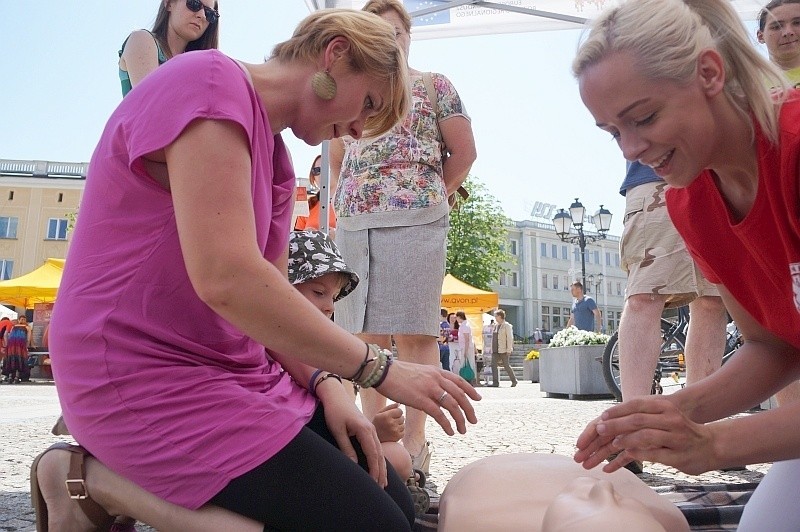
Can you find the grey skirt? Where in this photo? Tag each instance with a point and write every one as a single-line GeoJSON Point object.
{"type": "Point", "coordinates": [401, 271]}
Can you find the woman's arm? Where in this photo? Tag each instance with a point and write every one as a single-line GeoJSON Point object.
{"type": "Point", "coordinates": [675, 429]}
{"type": "Point", "coordinates": [457, 136]}
{"type": "Point", "coordinates": [763, 365]}
{"type": "Point", "coordinates": [217, 234]}
{"type": "Point", "coordinates": [140, 56]}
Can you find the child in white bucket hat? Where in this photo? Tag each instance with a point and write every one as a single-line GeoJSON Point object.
{"type": "Point", "coordinates": [317, 270]}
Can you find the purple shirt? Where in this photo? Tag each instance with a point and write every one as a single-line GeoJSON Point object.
{"type": "Point", "coordinates": [151, 380]}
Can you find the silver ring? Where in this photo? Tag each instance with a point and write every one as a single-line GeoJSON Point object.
{"type": "Point", "coordinates": [441, 397]}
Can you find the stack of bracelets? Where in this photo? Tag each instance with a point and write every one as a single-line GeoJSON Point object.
{"type": "Point", "coordinates": [382, 359]}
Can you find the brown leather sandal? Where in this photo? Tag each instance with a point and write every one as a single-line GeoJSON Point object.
{"type": "Point", "coordinates": [76, 486]}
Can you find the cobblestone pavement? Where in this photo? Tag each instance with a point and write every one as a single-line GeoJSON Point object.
{"type": "Point", "coordinates": [511, 420]}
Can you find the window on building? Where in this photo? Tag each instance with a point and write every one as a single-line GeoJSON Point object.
{"type": "Point", "coordinates": [619, 289]}
{"type": "Point", "coordinates": [8, 226]}
{"type": "Point", "coordinates": [596, 257]}
{"type": "Point", "coordinates": [608, 258]}
{"type": "Point", "coordinates": [555, 282]}
{"type": "Point", "coordinates": [502, 281]}
{"type": "Point", "coordinates": [57, 229]}
{"type": "Point", "coordinates": [616, 260]}
{"type": "Point", "coordinates": [554, 250]}
{"type": "Point", "coordinates": [543, 249]}
{"type": "Point", "coordinates": [608, 287]}
{"type": "Point", "coordinates": [564, 253]}
{"type": "Point", "coordinates": [513, 247]}
{"type": "Point", "coordinates": [514, 279]}
{"type": "Point", "coordinates": [60, 197]}
{"type": "Point", "coordinates": [577, 253]}
{"type": "Point", "coordinates": [566, 282]}
{"type": "Point", "coordinates": [6, 269]}
{"type": "Point", "coordinates": [544, 281]}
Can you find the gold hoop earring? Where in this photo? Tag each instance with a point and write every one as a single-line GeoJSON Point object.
{"type": "Point", "coordinates": [324, 85]}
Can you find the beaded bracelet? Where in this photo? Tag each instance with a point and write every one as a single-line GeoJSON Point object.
{"type": "Point", "coordinates": [326, 376]}
{"type": "Point", "coordinates": [378, 370]}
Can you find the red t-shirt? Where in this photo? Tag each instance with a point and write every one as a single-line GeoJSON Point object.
{"type": "Point", "coordinates": [758, 258]}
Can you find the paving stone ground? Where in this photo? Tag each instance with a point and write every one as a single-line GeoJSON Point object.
{"type": "Point", "coordinates": [511, 420]}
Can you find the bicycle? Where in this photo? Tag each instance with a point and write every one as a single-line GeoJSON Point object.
{"type": "Point", "coordinates": [671, 361]}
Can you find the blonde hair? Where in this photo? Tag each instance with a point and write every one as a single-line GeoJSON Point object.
{"type": "Point", "coordinates": [667, 36]}
{"type": "Point", "coordinates": [373, 51]}
{"type": "Point", "coordinates": [379, 7]}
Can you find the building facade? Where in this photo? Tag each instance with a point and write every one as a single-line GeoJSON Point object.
{"type": "Point", "coordinates": [38, 199]}
{"type": "Point", "coordinates": [535, 293]}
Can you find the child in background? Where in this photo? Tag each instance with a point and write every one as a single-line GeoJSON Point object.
{"type": "Point", "coordinates": [317, 270]}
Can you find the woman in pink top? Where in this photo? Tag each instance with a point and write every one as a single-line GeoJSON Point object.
{"type": "Point", "coordinates": [176, 282]}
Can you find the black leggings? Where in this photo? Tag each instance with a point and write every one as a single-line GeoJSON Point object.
{"type": "Point", "coordinates": [311, 485]}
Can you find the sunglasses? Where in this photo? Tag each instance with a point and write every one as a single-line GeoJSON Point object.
{"type": "Point", "coordinates": [316, 170]}
{"type": "Point", "coordinates": [212, 15]}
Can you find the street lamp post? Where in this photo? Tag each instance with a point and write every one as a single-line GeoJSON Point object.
{"type": "Point", "coordinates": [575, 217]}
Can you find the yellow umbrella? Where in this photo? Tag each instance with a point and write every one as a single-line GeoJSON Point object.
{"type": "Point", "coordinates": [38, 286]}
{"type": "Point", "coordinates": [458, 295]}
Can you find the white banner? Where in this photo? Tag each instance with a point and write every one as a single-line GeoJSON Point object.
{"type": "Point", "coordinates": [435, 19]}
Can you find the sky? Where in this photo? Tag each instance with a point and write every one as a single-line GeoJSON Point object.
{"type": "Point", "coordinates": [535, 140]}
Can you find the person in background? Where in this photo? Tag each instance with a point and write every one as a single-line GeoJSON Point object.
{"type": "Point", "coordinates": [180, 26]}
{"type": "Point", "coordinates": [488, 352]}
{"type": "Point", "coordinates": [392, 215]}
{"type": "Point", "coordinates": [312, 220]}
{"type": "Point", "coordinates": [681, 88]}
{"type": "Point", "coordinates": [452, 341]}
{"type": "Point", "coordinates": [444, 336]}
{"type": "Point", "coordinates": [175, 343]}
{"type": "Point", "coordinates": [779, 30]}
{"type": "Point", "coordinates": [15, 363]}
{"type": "Point", "coordinates": [466, 344]}
{"type": "Point", "coordinates": [585, 315]}
{"type": "Point", "coordinates": [502, 346]}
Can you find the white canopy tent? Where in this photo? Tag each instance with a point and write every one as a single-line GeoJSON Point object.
{"type": "Point", "coordinates": [434, 19]}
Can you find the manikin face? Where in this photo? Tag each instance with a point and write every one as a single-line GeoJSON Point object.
{"type": "Point", "coordinates": [782, 35]}
{"type": "Point", "coordinates": [591, 504]}
{"type": "Point", "coordinates": [187, 25]}
{"type": "Point", "coordinates": [657, 122]}
{"type": "Point", "coordinates": [322, 290]}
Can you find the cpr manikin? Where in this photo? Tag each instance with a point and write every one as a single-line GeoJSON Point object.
{"type": "Point", "coordinates": [551, 493]}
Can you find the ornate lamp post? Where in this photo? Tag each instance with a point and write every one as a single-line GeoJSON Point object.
{"type": "Point", "coordinates": [563, 220]}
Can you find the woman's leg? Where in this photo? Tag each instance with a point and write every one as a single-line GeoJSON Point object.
{"type": "Point", "coordinates": [311, 485]}
{"type": "Point", "coordinates": [120, 496]}
{"type": "Point", "coordinates": [775, 504]}
{"type": "Point", "coordinates": [422, 350]}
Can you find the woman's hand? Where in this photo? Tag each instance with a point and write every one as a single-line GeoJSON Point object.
{"type": "Point", "coordinates": [432, 389]}
{"type": "Point", "coordinates": [345, 420]}
{"type": "Point", "coordinates": [647, 428]}
{"type": "Point", "coordinates": [389, 423]}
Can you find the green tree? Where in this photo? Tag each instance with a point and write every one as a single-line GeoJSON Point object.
{"type": "Point", "coordinates": [477, 242]}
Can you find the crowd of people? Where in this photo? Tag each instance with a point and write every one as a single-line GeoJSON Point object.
{"type": "Point", "coordinates": [200, 403]}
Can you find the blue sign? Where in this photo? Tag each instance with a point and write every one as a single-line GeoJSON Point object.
{"type": "Point", "coordinates": [432, 19]}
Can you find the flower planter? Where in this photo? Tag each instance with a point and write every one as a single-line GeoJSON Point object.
{"type": "Point", "coordinates": [573, 371]}
{"type": "Point", "coordinates": [530, 370]}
